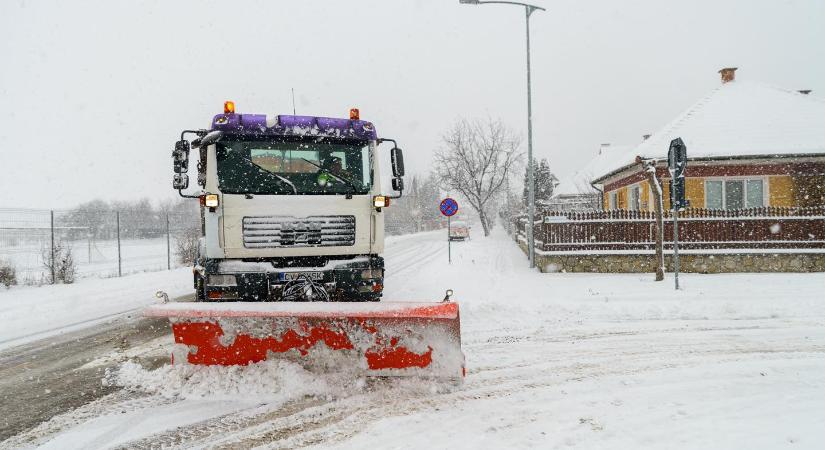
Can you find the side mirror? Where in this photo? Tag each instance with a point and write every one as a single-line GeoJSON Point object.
{"type": "Point", "coordinates": [397, 157]}
{"type": "Point", "coordinates": [180, 156]}
{"type": "Point", "coordinates": [180, 181]}
{"type": "Point", "coordinates": [398, 184]}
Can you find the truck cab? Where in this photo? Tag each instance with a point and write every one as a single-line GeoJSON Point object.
{"type": "Point", "coordinates": [291, 207]}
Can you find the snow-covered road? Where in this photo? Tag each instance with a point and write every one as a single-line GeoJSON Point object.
{"type": "Point", "coordinates": [553, 360]}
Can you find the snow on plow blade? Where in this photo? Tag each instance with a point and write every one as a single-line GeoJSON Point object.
{"type": "Point", "coordinates": [382, 339]}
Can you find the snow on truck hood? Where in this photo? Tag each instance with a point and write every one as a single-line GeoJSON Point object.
{"type": "Point", "coordinates": [282, 125]}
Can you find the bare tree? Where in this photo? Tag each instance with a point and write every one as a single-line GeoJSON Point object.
{"type": "Point", "coordinates": [656, 188]}
{"type": "Point", "coordinates": [186, 245]}
{"type": "Point", "coordinates": [477, 159]}
{"type": "Point", "coordinates": [60, 262]}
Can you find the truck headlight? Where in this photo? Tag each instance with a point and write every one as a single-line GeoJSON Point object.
{"type": "Point", "coordinates": [380, 201]}
{"type": "Point", "coordinates": [211, 201]}
{"type": "Point", "coordinates": [222, 280]}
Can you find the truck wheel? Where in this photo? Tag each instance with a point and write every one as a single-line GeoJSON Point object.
{"type": "Point", "coordinates": [200, 290]}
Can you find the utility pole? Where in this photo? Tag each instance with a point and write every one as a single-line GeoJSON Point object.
{"type": "Point", "coordinates": [531, 195]}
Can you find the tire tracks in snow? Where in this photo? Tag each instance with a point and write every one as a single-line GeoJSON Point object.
{"type": "Point", "coordinates": [314, 421]}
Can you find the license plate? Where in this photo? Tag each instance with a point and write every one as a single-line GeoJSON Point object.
{"type": "Point", "coordinates": [289, 276]}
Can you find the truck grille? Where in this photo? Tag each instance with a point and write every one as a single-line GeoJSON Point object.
{"type": "Point", "coordinates": [312, 231]}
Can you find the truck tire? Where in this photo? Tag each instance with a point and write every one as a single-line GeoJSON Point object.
{"type": "Point", "coordinates": [200, 289]}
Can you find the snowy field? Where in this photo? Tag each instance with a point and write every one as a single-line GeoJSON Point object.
{"type": "Point", "coordinates": [553, 361]}
{"type": "Point", "coordinates": [92, 258]}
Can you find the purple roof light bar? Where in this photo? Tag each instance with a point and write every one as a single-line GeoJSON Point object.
{"type": "Point", "coordinates": [255, 125]}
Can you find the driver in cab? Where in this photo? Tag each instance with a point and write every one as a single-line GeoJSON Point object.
{"type": "Point", "coordinates": [332, 169]}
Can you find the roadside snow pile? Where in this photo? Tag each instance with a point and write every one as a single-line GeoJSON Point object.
{"type": "Point", "coordinates": [270, 382]}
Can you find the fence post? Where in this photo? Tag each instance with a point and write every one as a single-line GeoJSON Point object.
{"type": "Point", "coordinates": [168, 247]}
{"type": "Point", "coordinates": [119, 266]}
{"type": "Point", "coordinates": [51, 263]}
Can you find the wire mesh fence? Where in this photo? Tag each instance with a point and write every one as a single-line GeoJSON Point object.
{"type": "Point", "coordinates": [41, 245]}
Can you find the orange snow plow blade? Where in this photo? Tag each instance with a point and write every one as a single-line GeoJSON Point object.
{"type": "Point", "coordinates": [382, 339]}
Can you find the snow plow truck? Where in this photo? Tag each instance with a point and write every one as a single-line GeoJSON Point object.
{"type": "Point", "coordinates": [289, 263]}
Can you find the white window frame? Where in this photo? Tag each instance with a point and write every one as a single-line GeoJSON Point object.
{"type": "Point", "coordinates": [765, 188]}
{"type": "Point", "coordinates": [612, 199]}
{"type": "Point", "coordinates": [638, 205]}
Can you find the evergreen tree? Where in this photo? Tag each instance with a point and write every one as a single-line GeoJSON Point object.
{"type": "Point", "coordinates": [544, 180]}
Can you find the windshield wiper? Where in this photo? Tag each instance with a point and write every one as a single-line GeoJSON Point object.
{"type": "Point", "coordinates": [270, 174]}
{"type": "Point", "coordinates": [345, 180]}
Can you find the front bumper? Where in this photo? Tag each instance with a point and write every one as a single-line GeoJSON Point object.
{"type": "Point", "coordinates": [354, 279]}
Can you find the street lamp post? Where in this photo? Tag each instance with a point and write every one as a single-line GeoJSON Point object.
{"type": "Point", "coordinates": [531, 195]}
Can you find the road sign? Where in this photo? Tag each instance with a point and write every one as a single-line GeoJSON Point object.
{"type": "Point", "coordinates": [448, 207]}
{"type": "Point", "coordinates": [677, 157]}
{"type": "Point", "coordinates": [677, 163]}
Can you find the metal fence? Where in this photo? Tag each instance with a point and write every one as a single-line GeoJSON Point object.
{"type": "Point", "coordinates": [100, 243]}
{"type": "Point", "coordinates": [754, 228]}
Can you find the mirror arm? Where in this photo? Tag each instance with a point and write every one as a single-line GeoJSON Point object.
{"type": "Point", "coordinates": [199, 133]}
{"type": "Point", "coordinates": [382, 140]}
{"type": "Point", "coordinates": [180, 192]}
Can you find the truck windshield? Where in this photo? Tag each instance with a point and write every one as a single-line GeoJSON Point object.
{"type": "Point", "coordinates": [283, 167]}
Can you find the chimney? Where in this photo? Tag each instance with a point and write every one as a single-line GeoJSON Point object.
{"type": "Point", "coordinates": [645, 137]}
{"type": "Point", "coordinates": [804, 91]}
{"type": "Point", "coordinates": [603, 147]}
{"type": "Point", "coordinates": [728, 74]}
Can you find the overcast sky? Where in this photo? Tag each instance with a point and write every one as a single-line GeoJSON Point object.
{"type": "Point", "coordinates": [94, 94]}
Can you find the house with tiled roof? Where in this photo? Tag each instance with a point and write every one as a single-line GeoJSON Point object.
{"type": "Point", "coordinates": [749, 145]}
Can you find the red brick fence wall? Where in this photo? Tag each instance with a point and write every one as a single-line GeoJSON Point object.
{"type": "Point", "coordinates": [755, 228]}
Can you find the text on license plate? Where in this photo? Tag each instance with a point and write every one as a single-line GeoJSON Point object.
{"type": "Point", "coordinates": [289, 276]}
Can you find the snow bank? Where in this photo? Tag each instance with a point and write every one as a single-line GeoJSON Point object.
{"type": "Point", "coordinates": [30, 313]}
{"type": "Point", "coordinates": [268, 381]}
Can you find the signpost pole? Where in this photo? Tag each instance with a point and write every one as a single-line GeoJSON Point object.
{"type": "Point", "coordinates": [449, 242]}
{"type": "Point", "coordinates": [448, 207]}
{"type": "Point", "coordinates": [675, 209]}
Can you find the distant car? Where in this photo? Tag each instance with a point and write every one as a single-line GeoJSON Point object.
{"type": "Point", "coordinates": [459, 230]}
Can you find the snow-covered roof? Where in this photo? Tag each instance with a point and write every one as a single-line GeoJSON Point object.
{"type": "Point", "coordinates": [739, 119]}
{"type": "Point", "coordinates": [579, 182]}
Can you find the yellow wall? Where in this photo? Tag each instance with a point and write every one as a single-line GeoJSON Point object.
{"type": "Point", "coordinates": [780, 190]}
{"type": "Point", "coordinates": [695, 192]}
{"type": "Point", "coordinates": [621, 198]}
{"type": "Point", "coordinates": [783, 190]}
